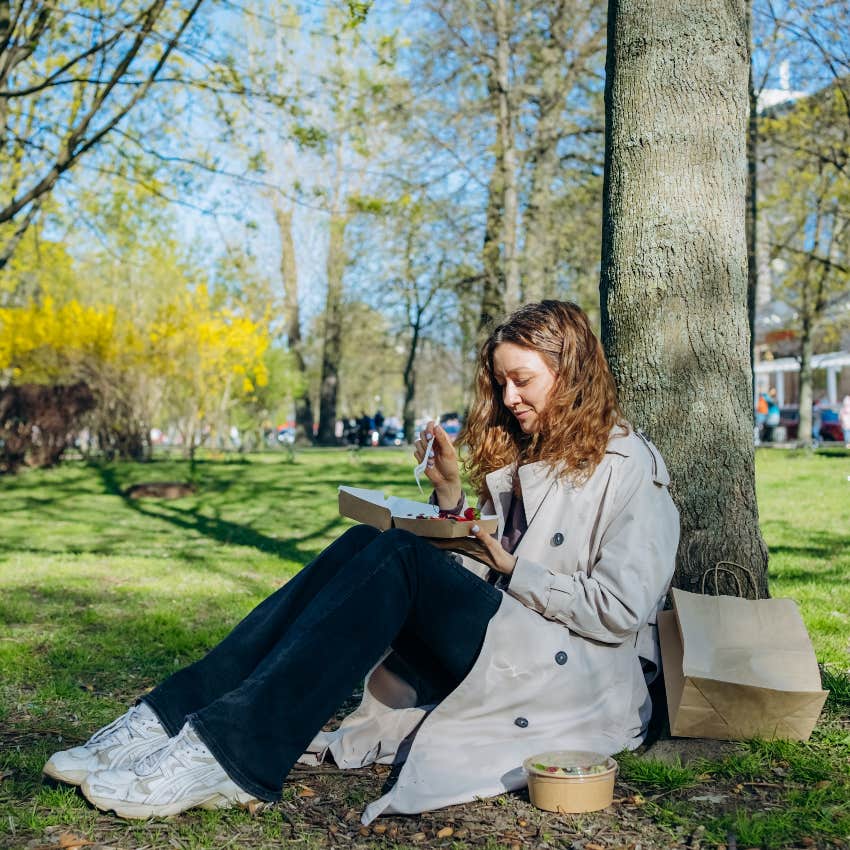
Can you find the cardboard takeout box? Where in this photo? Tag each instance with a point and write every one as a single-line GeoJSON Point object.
{"type": "Point", "coordinates": [374, 508]}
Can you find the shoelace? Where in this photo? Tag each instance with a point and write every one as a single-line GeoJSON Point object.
{"type": "Point", "coordinates": [181, 747]}
{"type": "Point", "coordinates": [125, 721]}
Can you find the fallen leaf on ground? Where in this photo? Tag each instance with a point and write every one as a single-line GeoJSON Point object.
{"type": "Point", "coordinates": [445, 832]}
{"type": "Point", "coordinates": [68, 841]}
{"type": "Point", "coordinates": [418, 836]}
{"type": "Point", "coordinates": [306, 792]}
{"type": "Point", "coordinates": [379, 828]}
{"type": "Point", "coordinates": [592, 845]}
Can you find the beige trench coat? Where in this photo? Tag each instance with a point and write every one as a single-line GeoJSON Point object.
{"type": "Point", "coordinates": [560, 667]}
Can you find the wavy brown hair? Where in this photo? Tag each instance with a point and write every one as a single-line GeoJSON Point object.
{"type": "Point", "coordinates": [579, 414]}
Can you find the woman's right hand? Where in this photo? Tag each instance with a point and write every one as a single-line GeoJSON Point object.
{"type": "Point", "coordinates": [442, 469]}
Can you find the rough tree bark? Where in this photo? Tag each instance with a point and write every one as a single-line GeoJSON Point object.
{"type": "Point", "coordinates": [752, 200]}
{"type": "Point", "coordinates": [674, 263]}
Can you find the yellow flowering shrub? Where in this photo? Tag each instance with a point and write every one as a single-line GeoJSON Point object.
{"type": "Point", "coordinates": [210, 355]}
{"type": "Point", "coordinates": [50, 343]}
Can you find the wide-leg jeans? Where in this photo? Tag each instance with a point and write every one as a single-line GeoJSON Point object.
{"type": "Point", "coordinates": [258, 698]}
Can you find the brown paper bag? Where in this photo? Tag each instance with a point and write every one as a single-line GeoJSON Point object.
{"type": "Point", "coordinates": [738, 668]}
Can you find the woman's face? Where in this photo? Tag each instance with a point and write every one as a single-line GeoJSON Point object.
{"type": "Point", "coordinates": [526, 381]}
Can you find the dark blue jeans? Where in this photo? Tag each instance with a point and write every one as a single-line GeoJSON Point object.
{"type": "Point", "coordinates": [259, 697]}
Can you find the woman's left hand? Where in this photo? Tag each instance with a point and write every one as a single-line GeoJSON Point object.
{"type": "Point", "coordinates": [503, 561]}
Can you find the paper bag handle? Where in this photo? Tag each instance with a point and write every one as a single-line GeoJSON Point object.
{"type": "Point", "coordinates": [724, 567]}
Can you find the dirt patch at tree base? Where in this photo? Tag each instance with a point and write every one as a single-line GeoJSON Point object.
{"type": "Point", "coordinates": [160, 490]}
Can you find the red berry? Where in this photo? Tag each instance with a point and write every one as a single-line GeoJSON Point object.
{"type": "Point", "coordinates": [469, 514]}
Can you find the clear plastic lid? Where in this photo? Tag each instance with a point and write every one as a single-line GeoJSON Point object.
{"type": "Point", "coordinates": [568, 763]}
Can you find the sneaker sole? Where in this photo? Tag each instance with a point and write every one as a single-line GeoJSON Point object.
{"type": "Point", "coordinates": [69, 777]}
{"type": "Point", "coordinates": [140, 811]}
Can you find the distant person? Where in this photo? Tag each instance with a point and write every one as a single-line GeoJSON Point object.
{"type": "Point", "coordinates": [378, 419]}
{"type": "Point", "coordinates": [364, 429]}
{"type": "Point", "coordinates": [451, 425]}
{"type": "Point", "coordinates": [761, 416]}
{"type": "Point", "coordinates": [772, 418]}
{"type": "Point", "coordinates": [817, 419]}
{"type": "Point", "coordinates": [844, 419]}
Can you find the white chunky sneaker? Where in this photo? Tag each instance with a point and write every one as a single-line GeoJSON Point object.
{"type": "Point", "coordinates": [182, 775]}
{"type": "Point", "coordinates": [134, 734]}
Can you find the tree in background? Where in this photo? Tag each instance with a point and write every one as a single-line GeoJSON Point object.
{"type": "Point", "coordinates": [210, 358]}
{"type": "Point", "coordinates": [674, 264]}
{"type": "Point", "coordinates": [518, 103]}
{"type": "Point", "coordinates": [292, 318]}
{"type": "Point", "coordinates": [53, 344]}
{"type": "Point", "coordinates": [68, 77]}
{"type": "Point", "coordinates": [805, 214]}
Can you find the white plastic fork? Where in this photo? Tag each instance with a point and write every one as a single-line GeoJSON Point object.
{"type": "Point", "coordinates": [421, 466]}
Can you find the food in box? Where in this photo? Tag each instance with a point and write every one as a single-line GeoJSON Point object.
{"type": "Point", "coordinates": [375, 508]}
{"type": "Point", "coordinates": [570, 781]}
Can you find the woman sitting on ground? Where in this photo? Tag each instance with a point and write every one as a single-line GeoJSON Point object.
{"type": "Point", "coordinates": [470, 668]}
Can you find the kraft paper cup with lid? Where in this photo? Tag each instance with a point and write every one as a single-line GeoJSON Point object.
{"type": "Point", "coordinates": [570, 781]}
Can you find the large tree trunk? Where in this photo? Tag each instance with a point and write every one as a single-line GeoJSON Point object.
{"type": "Point", "coordinates": [332, 350]}
{"type": "Point", "coordinates": [752, 197]}
{"type": "Point", "coordinates": [674, 264]}
{"type": "Point", "coordinates": [292, 318]}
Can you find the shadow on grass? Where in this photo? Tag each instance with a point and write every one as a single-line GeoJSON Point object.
{"type": "Point", "coordinates": [822, 545]}
{"type": "Point", "coordinates": [833, 452]}
{"type": "Point", "coordinates": [216, 528]}
{"type": "Point", "coordinates": [109, 644]}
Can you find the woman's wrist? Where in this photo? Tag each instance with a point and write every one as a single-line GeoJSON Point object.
{"type": "Point", "coordinates": [448, 495]}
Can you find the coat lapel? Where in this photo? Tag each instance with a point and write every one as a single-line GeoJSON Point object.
{"type": "Point", "coordinates": [536, 481]}
{"type": "Point", "coordinates": [499, 485]}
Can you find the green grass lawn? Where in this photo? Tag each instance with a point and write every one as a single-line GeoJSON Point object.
{"type": "Point", "coordinates": [102, 596]}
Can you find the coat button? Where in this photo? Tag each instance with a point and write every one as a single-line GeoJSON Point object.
{"type": "Point", "coordinates": [557, 538]}
{"type": "Point", "coordinates": [521, 722]}
{"type": "Point", "coordinates": [561, 657]}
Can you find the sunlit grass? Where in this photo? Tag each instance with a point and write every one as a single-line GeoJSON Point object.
{"type": "Point", "coordinates": [101, 597]}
